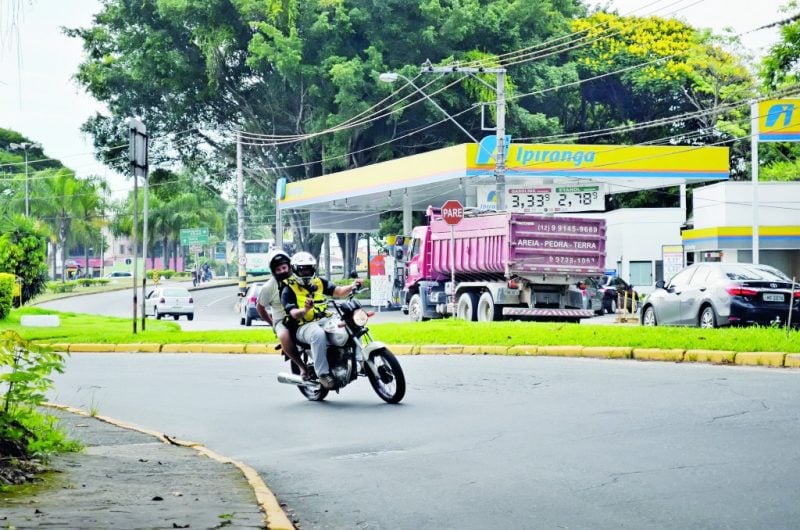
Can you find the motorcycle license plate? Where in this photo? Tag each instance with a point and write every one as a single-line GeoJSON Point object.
{"type": "Point", "coordinates": [773, 297]}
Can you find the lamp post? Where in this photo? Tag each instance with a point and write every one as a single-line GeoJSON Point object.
{"type": "Point", "coordinates": [25, 146]}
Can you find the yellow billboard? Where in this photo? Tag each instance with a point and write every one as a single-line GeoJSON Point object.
{"type": "Point", "coordinates": [779, 120]}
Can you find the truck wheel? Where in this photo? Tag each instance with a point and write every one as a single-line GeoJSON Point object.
{"type": "Point", "coordinates": [487, 311]}
{"type": "Point", "coordinates": [415, 309]}
{"type": "Point", "coordinates": [467, 308]}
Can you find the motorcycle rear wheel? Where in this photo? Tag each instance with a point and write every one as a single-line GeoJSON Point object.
{"type": "Point", "coordinates": [309, 393]}
{"type": "Point", "coordinates": [390, 385]}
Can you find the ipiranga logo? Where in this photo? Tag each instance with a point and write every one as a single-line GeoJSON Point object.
{"type": "Point", "coordinates": [531, 155]}
{"type": "Point", "coordinates": [776, 111]}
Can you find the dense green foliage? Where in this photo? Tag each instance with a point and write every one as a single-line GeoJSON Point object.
{"type": "Point", "coordinates": [6, 293]}
{"type": "Point", "coordinates": [23, 253]}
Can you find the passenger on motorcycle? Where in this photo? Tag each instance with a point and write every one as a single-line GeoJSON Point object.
{"type": "Point", "coordinates": [303, 299]}
{"type": "Point", "coordinates": [270, 296]}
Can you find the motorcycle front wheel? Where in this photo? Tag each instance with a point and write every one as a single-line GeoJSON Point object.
{"type": "Point", "coordinates": [310, 394]}
{"type": "Point", "coordinates": [390, 383]}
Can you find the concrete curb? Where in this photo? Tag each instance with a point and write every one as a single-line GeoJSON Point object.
{"type": "Point", "coordinates": [770, 359]}
{"type": "Point", "coordinates": [274, 516]}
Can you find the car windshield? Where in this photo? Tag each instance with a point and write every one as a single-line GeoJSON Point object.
{"type": "Point", "coordinates": [176, 292]}
{"type": "Point", "coordinates": [754, 273]}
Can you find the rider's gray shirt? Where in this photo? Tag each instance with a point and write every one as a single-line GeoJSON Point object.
{"type": "Point", "coordinates": [270, 296]}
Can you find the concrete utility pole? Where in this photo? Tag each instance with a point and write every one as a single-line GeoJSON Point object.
{"type": "Point", "coordinates": [500, 129]}
{"type": "Point", "coordinates": [137, 156]}
{"type": "Point", "coordinates": [240, 214]}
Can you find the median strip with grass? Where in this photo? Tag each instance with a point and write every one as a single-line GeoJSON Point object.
{"type": "Point", "coordinates": [494, 337]}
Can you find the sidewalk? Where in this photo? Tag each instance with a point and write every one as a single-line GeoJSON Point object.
{"type": "Point", "coordinates": [128, 479]}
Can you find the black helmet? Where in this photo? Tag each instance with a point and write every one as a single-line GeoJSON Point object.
{"type": "Point", "coordinates": [279, 257]}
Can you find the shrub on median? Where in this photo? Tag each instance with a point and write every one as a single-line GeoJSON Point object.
{"type": "Point", "coordinates": [6, 294]}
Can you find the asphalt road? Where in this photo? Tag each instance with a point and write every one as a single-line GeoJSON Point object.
{"type": "Point", "coordinates": [482, 441]}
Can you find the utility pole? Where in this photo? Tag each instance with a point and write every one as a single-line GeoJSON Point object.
{"type": "Point", "coordinates": [25, 146]}
{"type": "Point", "coordinates": [500, 129]}
{"type": "Point", "coordinates": [240, 213]}
{"type": "Point", "coordinates": [137, 156]}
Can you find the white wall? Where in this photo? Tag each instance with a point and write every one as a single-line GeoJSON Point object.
{"type": "Point", "coordinates": [637, 234]}
{"type": "Point", "coordinates": [730, 204]}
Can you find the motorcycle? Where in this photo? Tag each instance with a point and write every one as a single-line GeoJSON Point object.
{"type": "Point", "coordinates": [352, 353]}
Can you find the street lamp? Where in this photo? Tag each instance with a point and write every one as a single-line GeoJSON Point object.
{"type": "Point", "coordinates": [391, 77]}
{"type": "Point", "coordinates": [500, 130]}
{"type": "Point", "coordinates": [25, 146]}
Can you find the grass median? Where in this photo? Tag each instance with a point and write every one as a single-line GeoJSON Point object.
{"type": "Point", "coordinates": [82, 328]}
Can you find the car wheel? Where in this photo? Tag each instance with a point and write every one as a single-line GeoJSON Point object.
{"type": "Point", "coordinates": [190, 316]}
{"type": "Point", "coordinates": [415, 309]}
{"type": "Point", "coordinates": [176, 317]}
{"type": "Point", "coordinates": [156, 314]}
{"type": "Point", "coordinates": [649, 317]}
{"type": "Point", "coordinates": [707, 318]}
{"type": "Point", "coordinates": [241, 321]}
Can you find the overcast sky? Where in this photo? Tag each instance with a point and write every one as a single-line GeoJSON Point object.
{"type": "Point", "coordinates": [39, 99]}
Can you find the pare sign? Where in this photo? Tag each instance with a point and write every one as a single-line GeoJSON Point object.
{"type": "Point", "coordinates": [452, 212]}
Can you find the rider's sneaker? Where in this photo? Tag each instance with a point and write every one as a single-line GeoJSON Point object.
{"type": "Point", "coordinates": [327, 381]}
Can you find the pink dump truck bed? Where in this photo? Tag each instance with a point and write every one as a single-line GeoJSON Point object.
{"type": "Point", "coordinates": [516, 244]}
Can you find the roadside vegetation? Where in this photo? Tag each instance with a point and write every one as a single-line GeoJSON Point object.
{"type": "Point", "coordinates": [81, 328]}
{"type": "Point", "coordinates": [27, 436]}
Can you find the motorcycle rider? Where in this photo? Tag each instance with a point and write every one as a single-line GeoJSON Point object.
{"type": "Point", "coordinates": [270, 296]}
{"type": "Point", "coordinates": [303, 298]}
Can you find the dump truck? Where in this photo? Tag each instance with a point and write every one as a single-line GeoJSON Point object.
{"type": "Point", "coordinates": [506, 265]}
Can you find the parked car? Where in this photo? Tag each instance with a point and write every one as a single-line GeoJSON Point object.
{"type": "Point", "coordinates": [175, 301]}
{"type": "Point", "coordinates": [611, 290]}
{"type": "Point", "coordinates": [583, 295]}
{"type": "Point", "coordinates": [720, 294]}
{"type": "Point", "coordinates": [247, 307]}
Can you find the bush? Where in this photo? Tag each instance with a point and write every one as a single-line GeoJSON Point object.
{"type": "Point", "coordinates": [6, 294]}
{"type": "Point", "coordinates": [86, 282]}
{"type": "Point", "coordinates": [23, 251]}
{"type": "Point", "coordinates": [101, 281]}
{"type": "Point", "coordinates": [167, 273]}
{"type": "Point", "coordinates": [25, 375]}
{"type": "Point", "coordinates": [58, 287]}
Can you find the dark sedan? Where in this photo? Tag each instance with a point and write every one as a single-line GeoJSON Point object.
{"type": "Point", "coordinates": [721, 294]}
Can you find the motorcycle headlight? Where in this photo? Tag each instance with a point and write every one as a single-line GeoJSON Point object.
{"type": "Point", "coordinates": [360, 317]}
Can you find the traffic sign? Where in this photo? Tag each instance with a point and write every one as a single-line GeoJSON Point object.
{"type": "Point", "coordinates": [452, 212]}
{"type": "Point", "coordinates": [194, 236]}
{"type": "Point", "coordinates": [242, 260]}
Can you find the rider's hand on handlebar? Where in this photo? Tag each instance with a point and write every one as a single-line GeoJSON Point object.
{"type": "Point", "coordinates": [357, 283]}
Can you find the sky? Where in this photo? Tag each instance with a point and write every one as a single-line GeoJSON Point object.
{"type": "Point", "coordinates": [39, 99]}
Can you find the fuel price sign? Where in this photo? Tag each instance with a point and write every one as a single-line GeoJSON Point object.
{"type": "Point", "coordinates": [552, 199]}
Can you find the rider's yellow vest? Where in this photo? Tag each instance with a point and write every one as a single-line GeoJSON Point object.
{"type": "Point", "coordinates": [302, 293]}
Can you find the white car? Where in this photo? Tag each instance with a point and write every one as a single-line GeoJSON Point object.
{"type": "Point", "coordinates": [175, 301]}
{"type": "Point", "coordinates": [118, 275]}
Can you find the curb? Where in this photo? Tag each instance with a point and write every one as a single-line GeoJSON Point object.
{"type": "Point", "coordinates": [768, 359]}
{"type": "Point", "coordinates": [274, 516]}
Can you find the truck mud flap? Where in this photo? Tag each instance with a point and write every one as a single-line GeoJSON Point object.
{"type": "Point", "coordinates": [550, 313]}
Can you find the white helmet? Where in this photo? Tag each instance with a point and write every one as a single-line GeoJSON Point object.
{"type": "Point", "coordinates": [304, 267]}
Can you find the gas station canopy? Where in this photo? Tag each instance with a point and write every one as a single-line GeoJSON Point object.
{"type": "Point", "coordinates": [464, 171]}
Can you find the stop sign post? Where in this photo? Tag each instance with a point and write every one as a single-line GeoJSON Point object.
{"type": "Point", "coordinates": [452, 214]}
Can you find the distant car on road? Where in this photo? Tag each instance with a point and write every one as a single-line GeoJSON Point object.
{"type": "Point", "coordinates": [118, 274]}
{"type": "Point", "coordinates": [247, 307]}
{"type": "Point", "coordinates": [175, 301]}
{"type": "Point", "coordinates": [720, 294]}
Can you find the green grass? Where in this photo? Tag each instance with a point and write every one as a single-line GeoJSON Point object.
{"type": "Point", "coordinates": [81, 328]}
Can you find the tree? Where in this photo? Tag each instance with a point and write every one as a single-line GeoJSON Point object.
{"type": "Point", "coordinates": [653, 68]}
{"type": "Point", "coordinates": [23, 252]}
{"type": "Point", "coordinates": [296, 67]}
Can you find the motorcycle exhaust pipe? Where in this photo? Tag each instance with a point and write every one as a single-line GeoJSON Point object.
{"type": "Point", "coordinates": [293, 379]}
